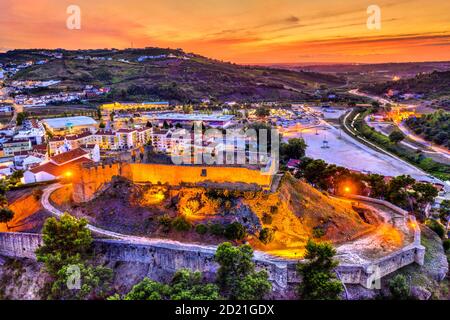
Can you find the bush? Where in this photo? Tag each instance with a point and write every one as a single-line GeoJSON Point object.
{"type": "Point", "coordinates": [446, 245]}
{"type": "Point", "coordinates": [166, 222]}
{"type": "Point", "coordinates": [267, 218]}
{"type": "Point", "coordinates": [436, 227]}
{"type": "Point", "coordinates": [235, 231]}
{"type": "Point", "coordinates": [318, 232]}
{"type": "Point", "coordinates": [201, 229]}
{"type": "Point", "coordinates": [37, 194]}
{"type": "Point", "coordinates": [217, 229]}
{"type": "Point", "coordinates": [399, 288]}
{"type": "Point", "coordinates": [266, 235]}
{"type": "Point", "coordinates": [181, 224]}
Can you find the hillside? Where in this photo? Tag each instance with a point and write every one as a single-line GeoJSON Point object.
{"type": "Point", "coordinates": [433, 127]}
{"type": "Point", "coordinates": [435, 85]}
{"type": "Point", "coordinates": [296, 212]}
{"type": "Point", "coordinates": [154, 73]}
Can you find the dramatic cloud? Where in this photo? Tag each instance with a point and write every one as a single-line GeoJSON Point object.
{"type": "Point", "coordinates": [245, 31]}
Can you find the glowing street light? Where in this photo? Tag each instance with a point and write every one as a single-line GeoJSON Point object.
{"type": "Point", "coordinates": [68, 174]}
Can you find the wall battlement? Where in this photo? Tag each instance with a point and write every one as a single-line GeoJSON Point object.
{"type": "Point", "coordinates": [90, 180]}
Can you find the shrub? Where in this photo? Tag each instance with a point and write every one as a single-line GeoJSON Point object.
{"type": "Point", "coordinates": [166, 222]}
{"type": "Point", "coordinates": [217, 229]}
{"type": "Point", "coordinates": [181, 224]}
{"type": "Point", "coordinates": [235, 231]}
{"type": "Point", "coordinates": [399, 288]}
{"type": "Point", "coordinates": [318, 232]}
{"type": "Point", "coordinates": [436, 227]}
{"type": "Point", "coordinates": [37, 194]}
{"type": "Point", "coordinates": [267, 218]}
{"type": "Point", "coordinates": [201, 229]}
{"type": "Point", "coordinates": [446, 245]}
{"type": "Point", "coordinates": [266, 235]}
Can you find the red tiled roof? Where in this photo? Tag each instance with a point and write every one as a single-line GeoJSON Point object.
{"type": "Point", "coordinates": [56, 170]}
{"type": "Point", "coordinates": [40, 147]}
{"type": "Point", "coordinates": [68, 156]}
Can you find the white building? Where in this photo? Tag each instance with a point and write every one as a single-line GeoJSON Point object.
{"type": "Point", "coordinates": [59, 166]}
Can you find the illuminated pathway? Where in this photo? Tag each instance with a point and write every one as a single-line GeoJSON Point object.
{"type": "Point", "coordinates": [351, 252]}
{"type": "Point", "coordinates": [134, 239]}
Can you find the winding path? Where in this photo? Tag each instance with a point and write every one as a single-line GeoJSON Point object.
{"type": "Point", "coordinates": [139, 240]}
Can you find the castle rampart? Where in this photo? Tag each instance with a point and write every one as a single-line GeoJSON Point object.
{"type": "Point", "coordinates": [88, 181]}
{"type": "Point", "coordinates": [163, 259]}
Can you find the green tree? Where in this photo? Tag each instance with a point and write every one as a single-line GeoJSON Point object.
{"type": "Point", "coordinates": [424, 193]}
{"type": "Point", "coordinates": [397, 190]}
{"type": "Point", "coordinates": [235, 231]}
{"type": "Point", "coordinates": [319, 281]}
{"type": "Point", "coordinates": [185, 285]}
{"type": "Point", "coordinates": [377, 185]}
{"type": "Point", "coordinates": [181, 224]}
{"type": "Point", "coordinates": [436, 227]}
{"type": "Point", "coordinates": [262, 112]}
{"type": "Point", "coordinates": [236, 276]}
{"type": "Point", "coordinates": [94, 282]}
{"type": "Point", "coordinates": [254, 286]}
{"type": "Point", "coordinates": [6, 215]}
{"type": "Point", "coordinates": [444, 211]}
{"type": "Point", "coordinates": [294, 149]}
{"type": "Point", "coordinates": [266, 235]}
{"type": "Point", "coordinates": [188, 285]}
{"type": "Point", "coordinates": [21, 116]}
{"type": "Point", "coordinates": [65, 241]}
{"type": "Point", "coordinates": [148, 290]}
{"type": "Point", "coordinates": [399, 288]}
{"type": "Point", "coordinates": [396, 136]}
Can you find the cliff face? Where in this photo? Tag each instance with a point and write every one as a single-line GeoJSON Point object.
{"type": "Point", "coordinates": [21, 279]}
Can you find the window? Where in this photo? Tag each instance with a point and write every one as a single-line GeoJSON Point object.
{"type": "Point", "coordinates": [204, 173]}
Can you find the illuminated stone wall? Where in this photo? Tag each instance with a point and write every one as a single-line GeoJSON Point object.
{"type": "Point", "coordinates": [88, 181]}
{"type": "Point", "coordinates": [162, 260]}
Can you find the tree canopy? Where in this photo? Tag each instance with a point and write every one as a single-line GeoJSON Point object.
{"type": "Point", "coordinates": [319, 281]}
{"type": "Point", "coordinates": [237, 277]}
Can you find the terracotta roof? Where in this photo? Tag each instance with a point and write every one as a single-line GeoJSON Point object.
{"type": "Point", "coordinates": [56, 170]}
{"type": "Point", "coordinates": [40, 148]}
{"type": "Point", "coordinates": [68, 156]}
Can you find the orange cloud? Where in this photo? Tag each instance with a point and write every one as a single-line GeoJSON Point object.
{"type": "Point", "coordinates": [243, 31]}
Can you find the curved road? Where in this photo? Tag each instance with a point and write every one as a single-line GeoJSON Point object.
{"type": "Point", "coordinates": [401, 125]}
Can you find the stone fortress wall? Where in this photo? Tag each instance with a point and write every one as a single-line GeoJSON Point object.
{"type": "Point", "coordinates": [89, 180]}
{"type": "Point", "coordinates": [163, 259]}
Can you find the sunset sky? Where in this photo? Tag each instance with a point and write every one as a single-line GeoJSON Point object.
{"type": "Point", "coordinates": [242, 31]}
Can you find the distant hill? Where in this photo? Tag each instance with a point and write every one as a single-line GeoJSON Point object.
{"type": "Point", "coordinates": [434, 85]}
{"type": "Point", "coordinates": [167, 74]}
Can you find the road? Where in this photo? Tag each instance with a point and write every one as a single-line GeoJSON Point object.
{"type": "Point", "coordinates": [438, 149]}
{"type": "Point", "coordinates": [401, 125]}
{"type": "Point", "coordinates": [422, 176]}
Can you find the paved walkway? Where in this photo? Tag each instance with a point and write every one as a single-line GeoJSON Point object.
{"type": "Point", "coordinates": [135, 239]}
